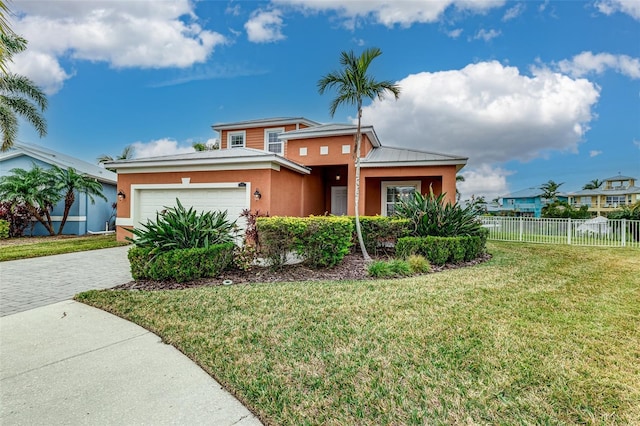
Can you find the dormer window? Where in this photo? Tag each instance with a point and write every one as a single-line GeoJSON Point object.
{"type": "Point", "coordinates": [236, 139]}
{"type": "Point", "coordinates": [271, 141]}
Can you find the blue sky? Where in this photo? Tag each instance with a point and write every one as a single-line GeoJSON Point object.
{"type": "Point", "coordinates": [529, 91]}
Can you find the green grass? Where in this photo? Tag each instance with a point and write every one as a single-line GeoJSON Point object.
{"type": "Point", "coordinates": [539, 335]}
{"type": "Point", "coordinates": [24, 248]}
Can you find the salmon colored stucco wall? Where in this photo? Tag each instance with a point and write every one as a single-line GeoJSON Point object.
{"type": "Point", "coordinates": [285, 193]}
{"type": "Point", "coordinates": [255, 136]}
{"type": "Point", "coordinates": [334, 156]}
{"type": "Point", "coordinates": [313, 194]}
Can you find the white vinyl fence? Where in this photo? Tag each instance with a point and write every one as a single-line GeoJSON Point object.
{"type": "Point", "coordinates": [584, 232]}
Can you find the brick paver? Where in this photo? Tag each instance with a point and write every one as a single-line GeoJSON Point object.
{"type": "Point", "coordinates": [30, 283]}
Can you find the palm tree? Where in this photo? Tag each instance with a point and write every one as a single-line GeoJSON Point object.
{"type": "Point", "coordinates": [35, 189]}
{"type": "Point", "coordinates": [550, 190]}
{"type": "Point", "coordinates": [127, 153]}
{"type": "Point", "coordinates": [68, 181]}
{"type": "Point", "coordinates": [5, 30]}
{"type": "Point", "coordinates": [459, 178]}
{"type": "Point", "coordinates": [353, 85]}
{"type": "Point", "coordinates": [594, 184]}
{"type": "Point", "coordinates": [19, 96]}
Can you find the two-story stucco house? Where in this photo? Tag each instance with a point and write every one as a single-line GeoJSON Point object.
{"type": "Point", "coordinates": [527, 202]}
{"type": "Point", "coordinates": [615, 192]}
{"type": "Point", "coordinates": [283, 167]}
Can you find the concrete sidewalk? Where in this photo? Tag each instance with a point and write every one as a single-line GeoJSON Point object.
{"type": "Point", "coordinates": [72, 364]}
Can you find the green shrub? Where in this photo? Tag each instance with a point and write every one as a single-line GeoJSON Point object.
{"type": "Point", "coordinates": [431, 216]}
{"type": "Point", "coordinates": [400, 268]}
{"type": "Point", "coordinates": [440, 250]}
{"type": "Point", "coordinates": [277, 236]}
{"type": "Point", "coordinates": [325, 240]}
{"type": "Point", "coordinates": [379, 269]}
{"type": "Point", "coordinates": [322, 241]}
{"type": "Point", "coordinates": [4, 229]}
{"type": "Point", "coordinates": [381, 233]}
{"type": "Point", "coordinates": [418, 264]}
{"type": "Point", "coordinates": [179, 228]}
{"type": "Point", "coordinates": [181, 264]}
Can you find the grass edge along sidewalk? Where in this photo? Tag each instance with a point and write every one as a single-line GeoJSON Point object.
{"type": "Point", "coordinates": [540, 334]}
{"type": "Point", "coordinates": [28, 247]}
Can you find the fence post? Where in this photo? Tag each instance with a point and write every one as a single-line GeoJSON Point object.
{"type": "Point", "coordinates": [521, 228]}
{"type": "Point", "coordinates": [624, 233]}
{"type": "Point", "coordinates": [569, 232]}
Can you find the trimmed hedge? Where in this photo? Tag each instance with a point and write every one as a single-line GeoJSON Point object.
{"type": "Point", "coordinates": [440, 250]}
{"type": "Point", "coordinates": [322, 241]}
{"type": "Point", "coordinates": [180, 265]}
{"type": "Point", "coordinates": [4, 229]}
{"type": "Point", "coordinates": [381, 232]}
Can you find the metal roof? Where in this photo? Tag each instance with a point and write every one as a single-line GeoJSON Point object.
{"type": "Point", "coordinates": [260, 122]}
{"type": "Point", "coordinates": [217, 156]}
{"type": "Point", "coordinates": [602, 191]}
{"type": "Point", "coordinates": [332, 129]}
{"type": "Point", "coordinates": [619, 177]}
{"type": "Point", "coordinates": [389, 156]}
{"type": "Point", "coordinates": [61, 160]}
{"type": "Point", "coordinates": [530, 193]}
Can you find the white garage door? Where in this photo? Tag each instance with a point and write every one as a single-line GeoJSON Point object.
{"type": "Point", "coordinates": [150, 201]}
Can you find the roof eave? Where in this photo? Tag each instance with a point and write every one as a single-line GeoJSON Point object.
{"type": "Point", "coordinates": [413, 163]}
{"type": "Point", "coordinates": [249, 124]}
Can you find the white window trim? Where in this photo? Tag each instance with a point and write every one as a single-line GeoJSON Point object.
{"type": "Point", "coordinates": [266, 139]}
{"type": "Point", "coordinates": [383, 191]}
{"type": "Point", "coordinates": [240, 132]}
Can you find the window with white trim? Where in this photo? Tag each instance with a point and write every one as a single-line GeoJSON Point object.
{"type": "Point", "coordinates": [236, 139]}
{"type": "Point", "coordinates": [271, 141]}
{"type": "Point", "coordinates": [395, 191]}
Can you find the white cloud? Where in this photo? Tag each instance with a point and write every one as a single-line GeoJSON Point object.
{"type": "Point", "coordinates": [636, 143]}
{"type": "Point", "coordinates": [514, 12]}
{"type": "Point", "coordinates": [586, 62]}
{"type": "Point", "coordinates": [630, 7]}
{"type": "Point", "coordinates": [264, 26]}
{"type": "Point", "coordinates": [455, 33]}
{"type": "Point", "coordinates": [390, 12]}
{"type": "Point", "coordinates": [594, 153]}
{"type": "Point", "coordinates": [159, 148]}
{"type": "Point", "coordinates": [487, 181]}
{"type": "Point", "coordinates": [486, 35]}
{"type": "Point", "coordinates": [43, 69]}
{"type": "Point", "coordinates": [488, 112]}
{"type": "Point", "coordinates": [142, 34]}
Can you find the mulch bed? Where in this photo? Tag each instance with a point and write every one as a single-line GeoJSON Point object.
{"type": "Point", "coordinates": [353, 267]}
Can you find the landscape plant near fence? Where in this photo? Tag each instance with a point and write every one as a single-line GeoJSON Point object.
{"type": "Point", "coordinates": [441, 250]}
{"type": "Point", "coordinates": [322, 241]}
{"type": "Point", "coordinates": [584, 232]}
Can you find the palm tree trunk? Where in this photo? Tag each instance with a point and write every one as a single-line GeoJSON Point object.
{"type": "Point", "coordinates": [68, 202]}
{"type": "Point", "coordinates": [363, 249]}
{"type": "Point", "coordinates": [34, 212]}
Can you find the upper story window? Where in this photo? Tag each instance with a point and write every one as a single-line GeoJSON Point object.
{"type": "Point", "coordinates": [236, 139]}
{"type": "Point", "coordinates": [271, 141]}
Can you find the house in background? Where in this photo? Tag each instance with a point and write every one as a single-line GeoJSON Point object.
{"type": "Point", "coordinates": [84, 217]}
{"type": "Point", "coordinates": [283, 167]}
{"type": "Point", "coordinates": [527, 202]}
{"type": "Point", "coordinates": [615, 192]}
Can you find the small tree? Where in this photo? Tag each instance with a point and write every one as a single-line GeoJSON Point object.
{"type": "Point", "coordinates": [550, 190]}
{"type": "Point", "coordinates": [594, 184]}
{"type": "Point", "coordinates": [68, 181]}
{"type": "Point", "coordinates": [127, 153]}
{"type": "Point", "coordinates": [35, 189]}
{"type": "Point", "coordinates": [353, 84]}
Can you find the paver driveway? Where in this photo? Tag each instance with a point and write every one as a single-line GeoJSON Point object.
{"type": "Point", "coordinates": [29, 283]}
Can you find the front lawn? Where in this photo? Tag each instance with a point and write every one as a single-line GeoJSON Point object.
{"type": "Point", "coordinates": [26, 247]}
{"type": "Point", "coordinates": [539, 335]}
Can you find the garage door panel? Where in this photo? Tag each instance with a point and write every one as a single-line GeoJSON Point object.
{"type": "Point", "coordinates": [151, 201]}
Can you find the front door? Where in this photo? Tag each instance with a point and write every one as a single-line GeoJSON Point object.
{"type": "Point", "coordinates": [339, 200]}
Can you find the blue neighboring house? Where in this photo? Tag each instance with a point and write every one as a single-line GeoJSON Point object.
{"type": "Point", "coordinates": [527, 202]}
{"type": "Point", "coordinates": [84, 217]}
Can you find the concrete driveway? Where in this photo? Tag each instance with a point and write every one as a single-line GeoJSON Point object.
{"type": "Point", "coordinates": [29, 283]}
{"type": "Point", "coordinates": [65, 363]}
